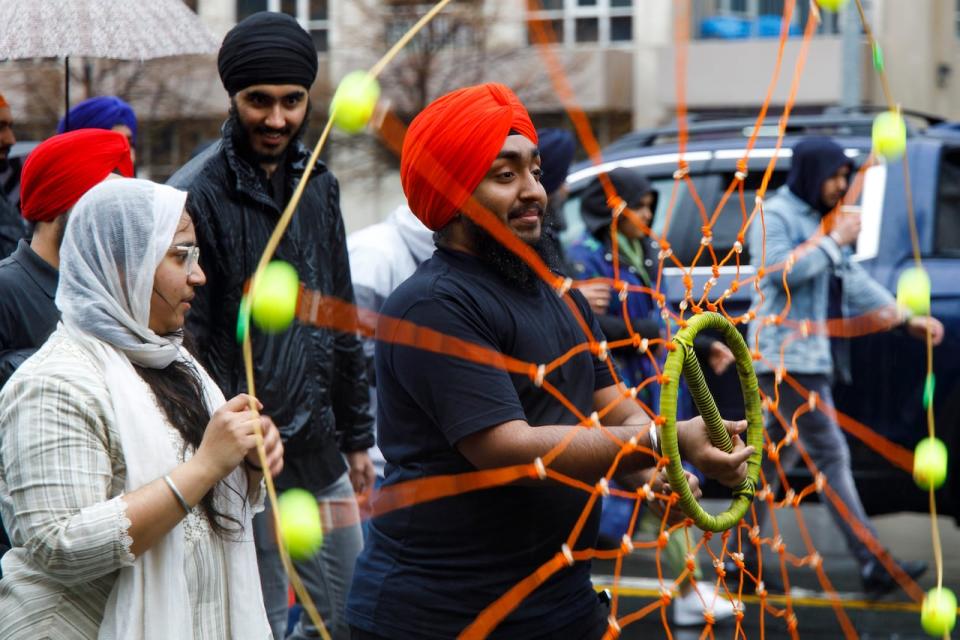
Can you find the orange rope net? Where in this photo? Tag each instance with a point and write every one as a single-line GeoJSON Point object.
{"type": "Point", "coordinates": [715, 549]}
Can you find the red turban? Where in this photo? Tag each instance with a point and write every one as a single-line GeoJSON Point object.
{"type": "Point", "coordinates": [66, 166]}
{"type": "Point", "coordinates": [451, 145]}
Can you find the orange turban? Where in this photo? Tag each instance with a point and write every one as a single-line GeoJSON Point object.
{"type": "Point", "coordinates": [66, 166]}
{"type": "Point", "coordinates": [451, 144]}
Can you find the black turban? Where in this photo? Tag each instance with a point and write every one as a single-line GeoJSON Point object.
{"type": "Point", "coordinates": [267, 48]}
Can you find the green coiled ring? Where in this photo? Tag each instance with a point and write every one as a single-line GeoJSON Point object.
{"type": "Point", "coordinates": [683, 360]}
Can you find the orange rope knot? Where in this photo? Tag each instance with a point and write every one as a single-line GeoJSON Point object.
{"type": "Point", "coordinates": [738, 610]}
{"type": "Point", "coordinates": [816, 560]}
{"type": "Point", "coordinates": [683, 305]}
{"type": "Point", "coordinates": [792, 622]}
{"type": "Point", "coordinates": [790, 497]}
{"type": "Point", "coordinates": [812, 400]}
{"type": "Point", "coordinates": [718, 567]}
{"type": "Point", "coordinates": [595, 420]}
{"type": "Point", "coordinates": [641, 344]}
{"type": "Point", "coordinates": [761, 272]}
{"type": "Point", "coordinates": [687, 283]}
{"type": "Point", "coordinates": [624, 292]}
{"type": "Point", "coordinates": [737, 558]}
{"type": "Point", "coordinates": [538, 374]}
{"type": "Point", "coordinates": [663, 539]}
{"type": "Point", "coordinates": [805, 328]}
{"type": "Point", "coordinates": [755, 531]}
{"type": "Point", "coordinates": [603, 487]}
{"type": "Point", "coordinates": [600, 350]}
{"type": "Point", "coordinates": [666, 596]}
{"type": "Point", "coordinates": [778, 545]}
{"type": "Point", "coordinates": [691, 563]}
{"type": "Point", "coordinates": [539, 467]}
{"type": "Point", "coordinates": [682, 171]}
{"type": "Point", "coordinates": [564, 287]}
{"type": "Point", "coordinates": [644, 492]}
{"type": "Point", "coordinates": [820, 481]}
{"type": "Point", "coordinates": [617, 205]}
{"type": "Point", "coordinates": [626, 544]}
{"type": "Point", "coordinates": [613, 627]}
{"type": "Point", "coordinates": [709, 617]}
{"type": "Point", "coordinates": [567, 554]}
{"type": "Point", "coordinates": [761, 590]}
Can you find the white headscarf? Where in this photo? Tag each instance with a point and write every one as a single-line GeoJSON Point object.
{"type": "Point", "coordinates": [118, 234]}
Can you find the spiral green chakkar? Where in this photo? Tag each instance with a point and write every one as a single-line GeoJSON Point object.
{"type": "Point", "coordinates": [682, 359]}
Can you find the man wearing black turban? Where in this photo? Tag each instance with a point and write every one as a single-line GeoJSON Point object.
{"type": "Point", "coordinates": [311, 380]}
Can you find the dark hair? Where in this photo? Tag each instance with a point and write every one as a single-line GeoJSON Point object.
{"type": "Point", "coordinates": [179, 393]}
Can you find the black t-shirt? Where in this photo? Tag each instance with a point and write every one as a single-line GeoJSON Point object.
{"type": "Point", "coordinates": [429, 570]}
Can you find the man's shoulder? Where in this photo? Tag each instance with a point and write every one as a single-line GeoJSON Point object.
{"type": "Point", "coordinates": [205, 171]}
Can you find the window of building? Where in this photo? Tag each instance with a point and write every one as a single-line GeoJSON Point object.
{"type": "Point", "coordinates": [461, 26]}
{"type": "Point", "coordinates": [313, 15]}
{"type": "Point", "coordinates": [738, 19]}
{"type": "Point", "coordinates": [576, 22]}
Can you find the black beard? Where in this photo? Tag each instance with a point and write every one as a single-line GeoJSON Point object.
{"type": "Point", "coordinates": [242, 137]}
{"type": "Point", "coordinates": [506, 263]}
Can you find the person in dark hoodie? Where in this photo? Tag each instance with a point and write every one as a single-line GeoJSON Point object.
{"type": "Point", "coordinates": [803, 221]}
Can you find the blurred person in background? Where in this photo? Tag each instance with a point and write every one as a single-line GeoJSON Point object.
{"type": "Point", "coordinates": [103, 112]}
{"type": "Point", "coordinates": [382, 256]}
{"type": "Point", "coordinates": [12, 228]}
{"type": "Point", "coordinates": [803, 221]}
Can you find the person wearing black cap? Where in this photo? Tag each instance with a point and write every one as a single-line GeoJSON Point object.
{"type": "Point", "coordinates": [802, 222]}
{"type": "Point", "coordinates": [311, 380]}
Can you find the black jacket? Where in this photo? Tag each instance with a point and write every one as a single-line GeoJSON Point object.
{"type": "Point", "coordinates": [312, 381]}
{"type": "Point", "coordinates": [28, 315]}
{"type": "Point", "coordinates": [12, 228]}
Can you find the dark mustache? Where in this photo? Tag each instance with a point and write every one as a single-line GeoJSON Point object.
{"type": "Point", "coordinates": [516, 213]}
{"type": "Point", "coordinates": [285, 131]}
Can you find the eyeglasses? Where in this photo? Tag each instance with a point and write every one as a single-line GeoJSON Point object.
{"type": "Point", "coordinates": [190, 254]}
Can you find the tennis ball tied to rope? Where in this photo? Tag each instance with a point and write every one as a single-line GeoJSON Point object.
{"type": "Point", "coordinates": [913, 291]}
{"type": "Point", "coordinates": [930, 463]}
{"type": "Point", "coordinates": [300, 527]}
{"type": "Point", "coordinates": [832, 5]}
{"type": "Point", "coordinates": [889, 135]}
{"type": "Point", "coordinates": [354, 101]}
{"type": "Point", "coordinates": [273, 300]}
{"type": "Point", "coordinates": [938, 614]}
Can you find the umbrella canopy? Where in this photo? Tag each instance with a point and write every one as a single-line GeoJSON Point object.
{"type": "Point", "coordinates": [121, 29]}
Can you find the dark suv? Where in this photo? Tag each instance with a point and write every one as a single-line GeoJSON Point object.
{"type": "Point", "coordinates": [888, 368]}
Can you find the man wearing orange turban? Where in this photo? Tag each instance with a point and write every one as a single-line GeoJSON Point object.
{"type": "Point", "coordinates": [439, 567]}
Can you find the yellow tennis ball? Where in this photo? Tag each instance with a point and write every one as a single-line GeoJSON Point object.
{"type": "Point", "coordinates": [938, 615]}
{"type": "Point", "coordinates": [913, 290]}
{"type": "Point", "coordinates": [930, 463]}
{"type": "Point", "coordinates": [300, 526]}
{"type": "Point", "coordinates": [354, 101]}
{"type": "Point", "coordinates": [831, 5]}
{"type": "Point", "coordinates": [889, 135]}
{"type": "Point", "coordinates": [273, 302]}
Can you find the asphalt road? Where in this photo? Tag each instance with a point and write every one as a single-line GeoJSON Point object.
{"type": "Point", "coordinates": [894, 616]}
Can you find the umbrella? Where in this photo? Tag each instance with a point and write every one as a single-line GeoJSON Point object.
{"type": "Point", "coordinates": [120, 29]}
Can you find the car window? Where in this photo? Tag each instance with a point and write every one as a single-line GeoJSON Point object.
{"type": "Point", "coordinates": [686, 224]}
{"type": "Point", "coordinates": [947, 237]}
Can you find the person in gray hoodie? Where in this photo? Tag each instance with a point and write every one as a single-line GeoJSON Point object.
{"type": "Point", "coordinates": [824, 283]}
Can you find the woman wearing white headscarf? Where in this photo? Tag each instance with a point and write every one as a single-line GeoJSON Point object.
{"type": "Point", "coordinates": [127, 482]}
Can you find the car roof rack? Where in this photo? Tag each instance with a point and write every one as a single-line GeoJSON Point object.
{"type": "Point", "coordinates": [835, 121]}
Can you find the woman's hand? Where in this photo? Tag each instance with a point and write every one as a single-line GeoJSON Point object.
{"type": "Point", "coordinates": [230, 435]}
{"type": "Point", "coordinates": [272, 446]}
